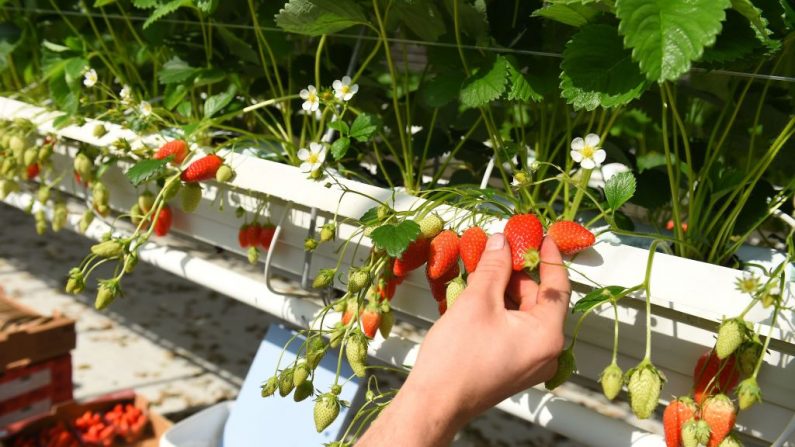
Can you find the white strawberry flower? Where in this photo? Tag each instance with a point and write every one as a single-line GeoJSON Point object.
{"type": "Point", "coordinates": [311, 100]}
{"type": "Point", "coordinates": [90, 78]}
{"type": "Point", "coordinates": [312, 159]}
{"type": "Point", "coordinates": [587, 152]}
{"type": "Point", "coordinates": [145, 109]}
{"type": "Point", "coordinates": [125, 94]}
{"type": "Point", "coordinates": [343, 90]}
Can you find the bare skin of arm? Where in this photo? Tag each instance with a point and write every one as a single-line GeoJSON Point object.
{"type": "Point", "coordinates": [502, 336]}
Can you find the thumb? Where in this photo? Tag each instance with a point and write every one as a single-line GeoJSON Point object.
{"type": "Point", "coordinates": [493, 272]}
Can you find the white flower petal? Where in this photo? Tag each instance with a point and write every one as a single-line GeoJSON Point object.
{"type": "Point", "coordinates": [307, 105]}
{"type": "Point", "coordinates": [592, 140]}
{"type": "Point", "coordinates": [306, 167]}
{"type": "Point", "coordinates": [576, 156]}
{"type": "Point", "coordinates": [303, 154]}
{"type": "Point", "coordinates": [577, 144]}
{"type": "Point", "coordinates": [311, 88]}
{"type": "Point", "coordinates": [304, 94]}
{"type": "Point", "coordinates": [599, 156]}
{"type": "Point", "coordinates": [314, 106]}
{"type": "Point", "coordinates": [321, 157]}
{"type": "Point", "coordinates": [346, 80]}
{"type": "Point", "coordinates": [354, 88]}
{"type": "Point", "coordinates": [587, 163]}
{"type": "Point", "coordinates": [337, 84]}
{"type": "Point", "coordinates": [315, 147]}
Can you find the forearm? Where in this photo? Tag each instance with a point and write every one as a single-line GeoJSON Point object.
{"type": "Point", "coordinates": [417, 417]}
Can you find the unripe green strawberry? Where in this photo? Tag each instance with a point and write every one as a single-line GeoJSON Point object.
{"type": "Point", "coordinates": [327, 408]}
{"type": "Point", "coordinates": [41, 222]}
{"type": "Point", "coordinates": [612, 378]}
{"type": "Point", "coordinates": [224, 174]}
{"type": "Point", "coordinates": [253, 255]}
{"type": "Point", "coordinates": [136, 216]}
{"type": "Point", "coordinates": [43, 195]}
{"type": "Point", "coordinates": [99, 194]}
{"type": "Point", "coordinates": [689, 435]}
{"type": "Point", "coordinates": [7, 187]}
{"type": "Point", "coordinates": [16, 143]}
{"type": "Point", "coordinates": [356, 352]}
{"type": "Point", "coordinates": [315, 350]}
{"type": "Point", "coordinates": [748, 393]}
{"type": "Point", "coordinates": [317, 174]}
{"type": "Point", "coordinates": [270, 386]}
{"type": "Point", "coordinates": [76, 282]}
{"type": "Point", "coordinates": [99, 131]}
{"type": "Point", "coordinates": [286, 384]}
{"type": "Point", "coordinates": [358, 279]}
{"type": "Point", "coordinates": [310, 244]}
{"type": "Point", "coordinates": [566, 367]}
{"type": "Point", "coordinates": [324, 278]}
{"type": "Point", "coordinates": [130, 261]}
{"type": "Point", "coordinates": [44, 153]}
{"type": "Point", "coordinates": [170, 190]}
{"type": "Point", "coordinates": [731, 334]}
{"type": "Point", "coordinates": [382, 212]}
{"type": "Point", "coordinates": [108, 249]}
{"type": "Point", "coordinates": [430, 226]}
{"type": "Point", "coordinates": [191, 196]}
{"type": "Point", "coordinates": [730, 441]}
{"type": "Point", "coordinates": [107, 292]}
{"type": "Point", "coordinates": [7, 166]}
{"type": "Point", "coordinates": [146, 201]}
{"type": "Point", "coordinates": [59, 216]}
{"type": "Point", "coordinates": [304, 390]}
{"type": "Point", "coordinates": [337, 334]}
{"type": "Point", "coordinates": [644, 386]}
{"type": "Point", "coordinates": [84, 167]}
{"type": "Point", "coordinates": [748, 355]}
{"type": "Point", "coordinates": [300, 372]}
{"type": "Point", "coordinates": [85, 221]}
{"type": "Point", "coordinates": [454, 289]}
{"type": "Point", "coordinates": [327, 232]}
{"type": "Point", "coordinates": [31, 156]}
{"type": "Point", "coordinates": [387, 321]}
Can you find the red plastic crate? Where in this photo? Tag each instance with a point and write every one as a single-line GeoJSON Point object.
{"type": "Point", "coordinates": [34, 389]}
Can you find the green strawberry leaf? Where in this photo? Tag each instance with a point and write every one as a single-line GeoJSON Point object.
{"type": "Point", "coordinates": [758, 22]}
{"type": "Point", "coordinates": [146, 169]}
{"type": "Point", "coordinates": [394, 239]}
{"type": "Point", "coordinates": [165, 9]}
{"type": "Point", "coordinates": [370, 217]}
{"type": "Point", "coordinates": [667, 35]}
{"type": "Point", "coordinates": [597, 70]}
{"type": "Point", "coordinates": [364, 127]}
{"type": "Point", "coordinates": [317, 17]}
{"type": "Point", "coordinates": [620, 188]}
{"type": "Point", "coordinates": [521, 89]}
{"type": "Point", "coordinates": [570, 14]}
{"type": "Point", "coordinates": [486, 85]}
{"type": "Point", "coordinates": [340, 147]}
{"type": "Point", "coordinates": [597, 297]}
{"type": "Point", "coordinates": [442, 89]}
{"type": "Point", "coordinates": [422, 17]}
{"type": "Point", "coordinates": [340, 126]}
{"type": "Point", "coordinates": [735, 41]}
{"type": "Point", "coordinates": [215, 103]}
{"type": "Point", "coordinates": [175, 71]}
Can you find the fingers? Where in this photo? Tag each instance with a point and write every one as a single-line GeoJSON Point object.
{"type": "Point", "coordinates": [490, 278]}
{"type": "Point", "coordinates": [554, 290]}
{"type": "Point", "coordinates": [522, 290]}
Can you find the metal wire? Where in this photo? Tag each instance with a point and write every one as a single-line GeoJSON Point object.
{"type": "Point", "coordinates": [501, 50]}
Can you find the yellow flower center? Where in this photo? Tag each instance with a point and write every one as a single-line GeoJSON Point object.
{"type": "Point", "coordinates": [587, 151]}
{"type": "Point", "coordinates": [313, 158]}
{"type": "Point", "coordinates": [345, 89]}
{"type": "Point", "coordinates": [312, 97]}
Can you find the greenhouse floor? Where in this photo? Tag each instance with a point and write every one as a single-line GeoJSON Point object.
{"type": "Point", "coordinates": [182, 346]}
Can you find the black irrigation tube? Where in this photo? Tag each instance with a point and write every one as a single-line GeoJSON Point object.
{"type": "Point", "coordinates": [740, 74]}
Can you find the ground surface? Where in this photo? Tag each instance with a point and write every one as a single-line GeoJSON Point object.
{"type": "Point", "coordinates": [183, 346]}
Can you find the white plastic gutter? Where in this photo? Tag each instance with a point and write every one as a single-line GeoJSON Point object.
{"type": "Point", "coordinates": [535, 405]}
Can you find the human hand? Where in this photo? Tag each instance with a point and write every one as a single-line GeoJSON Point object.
{"type": "Point", "coordinates": [503, 335]}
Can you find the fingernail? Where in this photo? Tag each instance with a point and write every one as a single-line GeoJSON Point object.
{"type": "Point", "coordinates": [496, 242]}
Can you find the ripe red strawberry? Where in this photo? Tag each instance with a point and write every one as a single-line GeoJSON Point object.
{"type": "Point", "coordinates": [202, 169]}
{"type": "Point", "coordinates": [386, 287]}
{"type": "Point", "coordinates": [242, 236]}
{"type": "Point", "coordinates": [442, 305]}
{"type": "Point", "coordinates": [677, 413]}
{"type": "Point", "coordinates": [32, 170]}
{"type": "Point", "coordinates": [439, 286]}
{"type": "Point", "coordinates": [570, 237]}
{"type": "Point", "coordinates": [719, 412]}
{"type": "Point", "coordinates": [266, 233]}
{"type": "Point", "coordinates": [253, 233]}
{"type": "Point", "coordinates": [163, 221]}
{"type": "Point", "coordinates": [415, 255]}
{"type": "Point", "coordinates": [351, 307]}
{"type": "Point", "coordinates": [442, 254]}
{"type": "Point", "coordinates": [707, 367]}
{"type": "Point", "coordinates": [523, 231]}
{"type": "Point", "coordinates": [177, 148]}
{"type": "Point", "coordinates": [371, 320]}
{"type": "Point", "coordinates": [471, 246]}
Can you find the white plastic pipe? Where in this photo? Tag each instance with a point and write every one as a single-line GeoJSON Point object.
{"type": "Point", "coordinates": [535, 405]}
